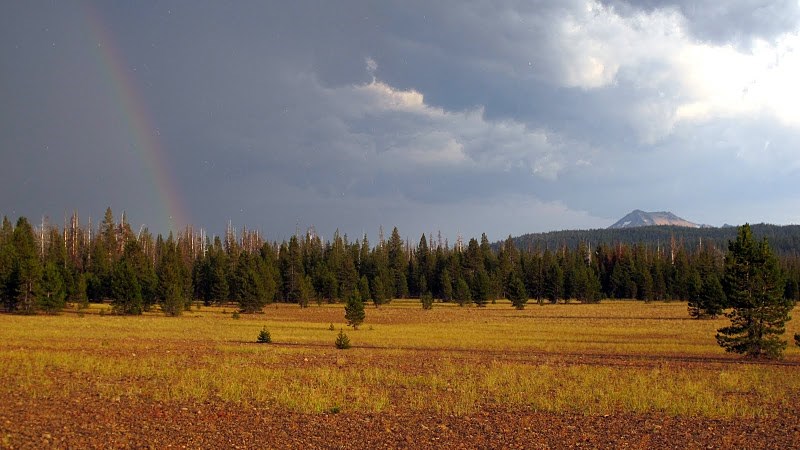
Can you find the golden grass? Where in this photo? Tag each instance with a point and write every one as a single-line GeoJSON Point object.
{"type": "Point", "coordinates": [449, 360]}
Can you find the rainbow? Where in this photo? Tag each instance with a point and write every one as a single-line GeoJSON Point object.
{"type": "Point", "coordinates": [144, 134]}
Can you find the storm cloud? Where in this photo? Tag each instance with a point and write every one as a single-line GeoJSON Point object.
{"type": "Point", "coordinates": [464, 117]}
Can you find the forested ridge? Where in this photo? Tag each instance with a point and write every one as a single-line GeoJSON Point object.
{"type": "Point", "coordinates": [42, 268]}
{"type": "Point", "coordinates": [784, 239]}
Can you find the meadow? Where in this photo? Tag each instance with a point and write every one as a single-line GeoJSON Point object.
{"type": "Point", "coordinates": [615, 356]}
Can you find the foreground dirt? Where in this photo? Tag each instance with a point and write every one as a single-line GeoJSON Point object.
{"type": "Point", "coordinates": [130, 423]}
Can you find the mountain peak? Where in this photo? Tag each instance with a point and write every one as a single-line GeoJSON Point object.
{"type": "Point", "coordinates": [639, 218]}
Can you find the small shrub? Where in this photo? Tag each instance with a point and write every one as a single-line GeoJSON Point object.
{"type": "Point", "coordinates": [264, 337]}
{"type": "Point", "coordinates": [236, 315]}
{"type": "Point", "coordinates": [342, 341]}
{"type": "Point", "coordinates": [335, 410]}
{"type": "Point", "coordinates": [331, 328]}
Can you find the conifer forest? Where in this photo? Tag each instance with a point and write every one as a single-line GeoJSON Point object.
{"type": "Point", "coordinates": [44, 267]}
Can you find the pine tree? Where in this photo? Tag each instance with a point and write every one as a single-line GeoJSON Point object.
{"type": "Point", "coordinates": [533, 270]}
{"type": "Point", "coordinates": [250, 289]}
{"type": "Point", "coordinates": [354, 310]}
{"type": "Point", "coordinates": [516, 291]}
{"type": "Point", "coordinates": [217, 274]}
{"type": "Point", "coordinates": [481, 288]}
{"type": "Point", "coordinates": [6, 263]}
{"type": "Point", "coordinates": [53, 294]}
{"type": "Point", "coordinates": [462, 293]}
{"type": "Point", "coordinates": [342, 341]}
{"type": "Point", "coordinates": [378, 291]}
{"type": "Point", "coordinates": [108, 234]}
{"type": "Point", "coordinates": [446, 285]}
{"type": "Point", "coordinates": [101, 268]}
{"type": "Point", "coordinates": [754, 289]}
{"type": "Point", "coordinates": [326, 283]}
{"type": "Point", "coordinates": [146, 275]}
{"type": "Point", "coordinates": [423, 271]}
{"type": "Point", "coordinates": [126, 294]}
{"type": "Point", "coordinates": [554, 281]}
{"type": "Point", "coordinates": [264, 337]}
{"type": "Point", "coordinates": [269, 272]}
{"type": "Point", "coordinates": [292, 271]}
{"type": "Point", "coordinates": [170, 280]}
{"type": "Point", "coordinates": [694, 289]}
{"type": "Point", "coordinates": [340, 261]}
{"type": "Point", "coordinates": [364, 290]}
{"type": "Point", "coordinates": [78, 293]}
{"type": "Point", "coordinates": [706, 296]}
{"type": "Point", "coordinates": [24, 280]}
{"type": "Point", "coordinates": [307, 292]}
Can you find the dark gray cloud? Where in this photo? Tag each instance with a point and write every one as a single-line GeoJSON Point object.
{"type": "Point", "coordinates": [464, 117]}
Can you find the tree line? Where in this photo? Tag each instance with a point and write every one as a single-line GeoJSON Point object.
{"type": "Point", "coordinates": [42, 268]}
{"type": "Point", "coordinates": [783, 239]}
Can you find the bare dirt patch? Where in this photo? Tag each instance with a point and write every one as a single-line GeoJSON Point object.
{"type": "Point", "coordinates": [87, 422]}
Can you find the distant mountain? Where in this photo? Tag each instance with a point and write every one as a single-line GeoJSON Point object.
{"type": "Point", "coordinates": [639, 218]}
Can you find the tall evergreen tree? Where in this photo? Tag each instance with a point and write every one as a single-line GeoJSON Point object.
{"type": "Point", "coordinates": [101, 267]}
{"type": "Point", "coordinates": [462, 294]}
{"type": "Point", "coordinates": [292, 271]}
{"type": "Point", "coordinates": [378, 291]}
{"type": "Point", "coordinates": [754, 289]}
{"type": "Point", "coordinates": [307, 292]}
{"type": "Point", "coordinates": [706, 296]}
{"type": "Point", "coordinates": [7, 260]}
{"type": "Point", "coordinates": [446, 285]}
{"type": "Point", "coordinates": [269, 271]}
{"type": "Point", "coordinates": [481, 288]}
{"type": "Point", "coordinates": [397, 264]}
{"type": "Point", "coordinates": [533, 274]}
{"type": "Point", "coordinates": [24, 280]}
{"type": "Point", "coordinates": [516, 291]}
{"type": "Point", "coordinates": [364, 290]}
{"type": "Point", "coordinates": [218, 289]}
{"type": "Point", "coordinates": [146, 276]}
{"type": "Point", "coordinates": [53, 293]}
{"type": "Point", "coordinates": [108, 234]}
{"type": "Point", "coordinates": [126, 294]}
{"type": "Point", "coordinates": [170, 281]}
{"type": "Point", "coordinates": [709, 299]}
{"type": "Point", "coordinates": [423, 269]}
{"type": "Point", "coordinates": [554, 281]}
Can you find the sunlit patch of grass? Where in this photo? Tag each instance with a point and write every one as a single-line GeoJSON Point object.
{"type": "Point", "coordinates": [207, 356]}
{"type": "Point", "coordinates": [752, 391]}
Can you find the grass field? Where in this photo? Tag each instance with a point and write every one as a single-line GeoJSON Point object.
{"type": "Point", "coordinates": [593, 359]}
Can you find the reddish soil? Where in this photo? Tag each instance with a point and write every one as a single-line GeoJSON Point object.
{"type": "Point", "coordinates": [90, 421]}
{"type": "Point", "coordinates": [129, 423]}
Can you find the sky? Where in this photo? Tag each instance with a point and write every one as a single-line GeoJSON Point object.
{"type": "Point", "coordinates": [465, 117]}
